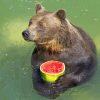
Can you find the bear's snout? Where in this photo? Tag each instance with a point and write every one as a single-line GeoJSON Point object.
{"type": "Point", "coordinates": [25, 34]}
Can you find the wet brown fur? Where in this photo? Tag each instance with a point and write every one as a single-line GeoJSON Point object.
{"type": "Point", "coordinates": [57, 39]}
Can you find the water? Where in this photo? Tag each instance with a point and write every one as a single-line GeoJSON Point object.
{"type": "Point", "coordinates": [15, 53]}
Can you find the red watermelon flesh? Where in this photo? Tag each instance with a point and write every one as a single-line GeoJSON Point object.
{"type": "Point", "coordinates": [52, 67]}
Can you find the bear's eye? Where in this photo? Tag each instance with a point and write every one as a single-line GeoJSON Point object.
{"type": "Point", "coordinates": [40, 24]}
{"type": "Point", "coordinates": [40, 27]}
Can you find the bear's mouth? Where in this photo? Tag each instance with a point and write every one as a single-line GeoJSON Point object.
{"type": "Point", "coordinates": [27, 39]}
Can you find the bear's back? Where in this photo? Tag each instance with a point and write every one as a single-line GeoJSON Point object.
{"type": "Point", "coordinates": [87, 39]}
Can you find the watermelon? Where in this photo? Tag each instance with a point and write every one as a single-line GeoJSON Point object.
{"type": "Point", "coordinates": [51, 70]}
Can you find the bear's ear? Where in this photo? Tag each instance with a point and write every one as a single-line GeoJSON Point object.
{"type": "Point", "coordinates": [39, 8]}
{"type": "Point", "coordinates": [61, 14]}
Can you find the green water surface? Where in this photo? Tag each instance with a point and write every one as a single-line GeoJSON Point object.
{"type": "Point", "coordinates": [15, 53]}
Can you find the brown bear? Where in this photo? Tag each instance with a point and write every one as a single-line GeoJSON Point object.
{"type": "Point", "coordinates": [57, 39]}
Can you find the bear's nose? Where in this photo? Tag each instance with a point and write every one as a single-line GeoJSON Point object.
{"type": "Point", "coordinates": [25, 33]}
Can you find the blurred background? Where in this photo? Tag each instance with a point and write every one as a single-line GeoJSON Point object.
{"type": "Point", "coordinates": [15, 53]}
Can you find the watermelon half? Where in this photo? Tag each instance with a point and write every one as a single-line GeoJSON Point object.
{"type": "Point", "coordinates": [52, 70]}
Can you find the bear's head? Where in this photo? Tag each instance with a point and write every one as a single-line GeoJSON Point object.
{"type": "Point", "coordinates": [47, 28]}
